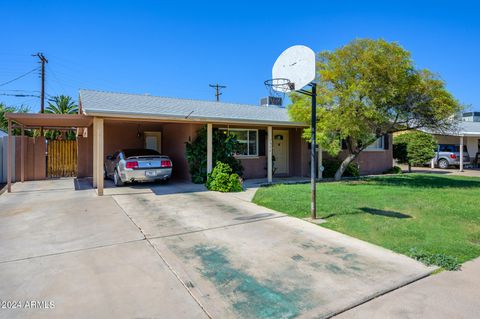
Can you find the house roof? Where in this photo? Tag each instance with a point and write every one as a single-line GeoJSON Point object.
{"type": "Point", "coordinates": [2, 133]}
{"type": "Point", "coordinates": [110, 104]}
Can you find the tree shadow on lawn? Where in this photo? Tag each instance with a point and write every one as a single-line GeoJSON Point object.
{"type": "Point", "coordinates": [425, 181]}
{"type": "Point", "coordinates": [372, 211]}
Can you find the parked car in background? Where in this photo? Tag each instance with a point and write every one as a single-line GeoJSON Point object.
{"type": "Point", "coordinates": [449, 155]}
{"type": "Point", "coordinates": [142, 165]}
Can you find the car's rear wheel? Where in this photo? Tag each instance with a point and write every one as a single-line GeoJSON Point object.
{"type": "Point", "coordinates": [117, 180]}
{"type": "Point", "coordinates": [443, 163]}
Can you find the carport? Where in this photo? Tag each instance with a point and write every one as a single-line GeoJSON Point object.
{"type": "Point", "coordinates": [112, 133]}
{"type": "Point", "coordinates": [36, 120]}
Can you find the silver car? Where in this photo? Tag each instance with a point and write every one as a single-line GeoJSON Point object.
{"type": "Point", "coordinates": [449, 155]}
{"type": "Point", "coordinates": [143, 165]}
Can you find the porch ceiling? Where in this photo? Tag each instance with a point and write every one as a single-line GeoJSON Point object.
{"type": "Point", "coordinates": [50, 120]}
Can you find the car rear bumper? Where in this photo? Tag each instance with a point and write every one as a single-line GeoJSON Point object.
{"type": "Point", "coordinates": [457, 162]}
{"type": "Point", "coordinates": [144, 175]}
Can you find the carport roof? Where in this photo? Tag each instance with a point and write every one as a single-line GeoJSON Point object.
{"type": "Point", "coordinates": [50, 120]}
{"type": "Point", "coordinates": [100, 103]}
{"type": "Point", "coordinates": [461, 128]}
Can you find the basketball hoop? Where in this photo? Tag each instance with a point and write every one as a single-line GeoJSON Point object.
{"type": "Point", "coordinates": [279, 86]}
{"type": "Point", "coordinates": [292, 71]}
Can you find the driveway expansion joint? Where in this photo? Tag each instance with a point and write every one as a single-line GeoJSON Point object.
{"type": "Point", "coordinates": [72, 251]}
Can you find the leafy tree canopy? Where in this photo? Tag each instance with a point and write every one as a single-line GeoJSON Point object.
{"type": "Point", "coordinates": [369, 88]}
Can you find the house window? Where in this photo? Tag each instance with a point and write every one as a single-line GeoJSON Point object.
{"type": "Point", "coordinates": [377, 145]}
{"type": "Point", "coordinates": [248, 140]}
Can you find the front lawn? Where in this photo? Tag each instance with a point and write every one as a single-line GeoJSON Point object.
{"type": "Point", "coordinates": [408, 213]}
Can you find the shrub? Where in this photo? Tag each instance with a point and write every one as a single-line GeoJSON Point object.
{"type": "Point", "coordinates": [222, 179]}
{"type": "Point", "coordinates": [224, 146]}
{"type": "Point", "coordinates": [331, 166]}
{"type": "Point", "coordinates": [428, 258]}
{"type": "Point", "coordinates": [393, 170]}
{"type": "Point", "coordinates": [414, 148]}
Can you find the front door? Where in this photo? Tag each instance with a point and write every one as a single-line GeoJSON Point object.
{"type": "Point", "coordinates": [153, 141]}
{"type": "Point", "coordinates": [280, 152]}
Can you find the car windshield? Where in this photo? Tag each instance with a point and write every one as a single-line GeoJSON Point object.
{"type": "Point", "coordinates": [139, 152]}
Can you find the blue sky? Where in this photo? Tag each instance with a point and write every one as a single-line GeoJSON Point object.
{"type": "Point", "coordinates": [176, 49]}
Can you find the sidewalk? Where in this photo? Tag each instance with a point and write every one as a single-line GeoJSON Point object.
{"type": "Point", "coordinates": [445, 295]}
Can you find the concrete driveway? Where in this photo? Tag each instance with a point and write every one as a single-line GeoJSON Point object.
{"type": "Point", "coordinates": [179, 252]}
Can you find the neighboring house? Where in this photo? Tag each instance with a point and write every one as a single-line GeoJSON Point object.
{"type": "Point", "coordinates": [121, 120]}
{"type": "Point", "coordinates": [466, 133]}
{"type": "Point", "coordinates": [2, 133]}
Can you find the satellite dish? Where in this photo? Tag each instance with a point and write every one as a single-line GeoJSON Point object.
{"type": "Point", "coordinates": [294, 69]}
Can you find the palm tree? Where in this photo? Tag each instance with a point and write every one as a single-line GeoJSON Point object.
{"type": "Point", "coordinates": [61, 104]}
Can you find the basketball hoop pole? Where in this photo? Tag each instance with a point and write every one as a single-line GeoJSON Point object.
{"type": "Point", "coordinates": [313, 151]}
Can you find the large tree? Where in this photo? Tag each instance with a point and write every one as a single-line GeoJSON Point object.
{"type": "Point", "coordinates": [370, 88]}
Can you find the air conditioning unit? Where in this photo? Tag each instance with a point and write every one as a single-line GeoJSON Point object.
{"type": "Point", "coordinates": [271, 101]}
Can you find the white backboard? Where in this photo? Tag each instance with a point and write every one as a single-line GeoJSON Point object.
{"type": "Point", "coordinates": [297, 64]}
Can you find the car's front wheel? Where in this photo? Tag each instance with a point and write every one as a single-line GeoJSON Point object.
{"type": "Point", "coordinates": [117, 180]}
{"type": "Point", "coordinates": [443, 163]}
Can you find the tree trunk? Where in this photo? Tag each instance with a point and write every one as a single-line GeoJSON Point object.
{"type": "Point", "coordinates": [409, 167]}
{"type": "Point", "coordinates": [344, 165]}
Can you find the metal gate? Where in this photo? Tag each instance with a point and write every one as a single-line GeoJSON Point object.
{"type": "Point", "coordinates": [62, 158]}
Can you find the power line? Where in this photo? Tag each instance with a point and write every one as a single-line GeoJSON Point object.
{"type": "Point", "coordinates": [19, 95]}
{"type": "Point", "coordinates": [19, 77]}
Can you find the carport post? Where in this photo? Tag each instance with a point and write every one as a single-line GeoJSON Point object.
{"type": "Point", "coordinates": [9, 158]}
{"type": "Point", "coordinates": [95, 160]}
{"type": "Point", "coordinates": [22, 155]}
{"type": "Point", "coordinates": [461, 153]}
{"type": "Point", "coordinates": [270, 154]}
{"type": "Point", "coordinates": [209, 148]}
{"type": "Point", "coordinates": [98, 135]}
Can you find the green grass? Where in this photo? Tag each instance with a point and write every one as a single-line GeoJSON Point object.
{"type": "Point", "coordinates": [435, 214]}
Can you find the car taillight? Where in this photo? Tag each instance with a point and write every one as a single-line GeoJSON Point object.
{"type": "Point", "coordinates": [166, 163]}
{"type": "Point", "coordinates": [453, 156]}
{"type": "Point", "coordinates": [133, 164]}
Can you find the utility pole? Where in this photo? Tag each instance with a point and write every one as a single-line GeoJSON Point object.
{"type": "Point", "coordinates": [43, 60]}
{"type": "Point", "coordinates": [217, 90]}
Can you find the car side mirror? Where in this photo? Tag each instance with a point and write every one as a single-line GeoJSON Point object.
{"type": "Point", "coordinates": [109, 157]}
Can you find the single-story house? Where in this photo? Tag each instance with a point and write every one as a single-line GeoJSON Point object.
{"type": "Point", "coordinates": [121, 120]}
{"type": "Point", "coordinates": [466, 133]}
